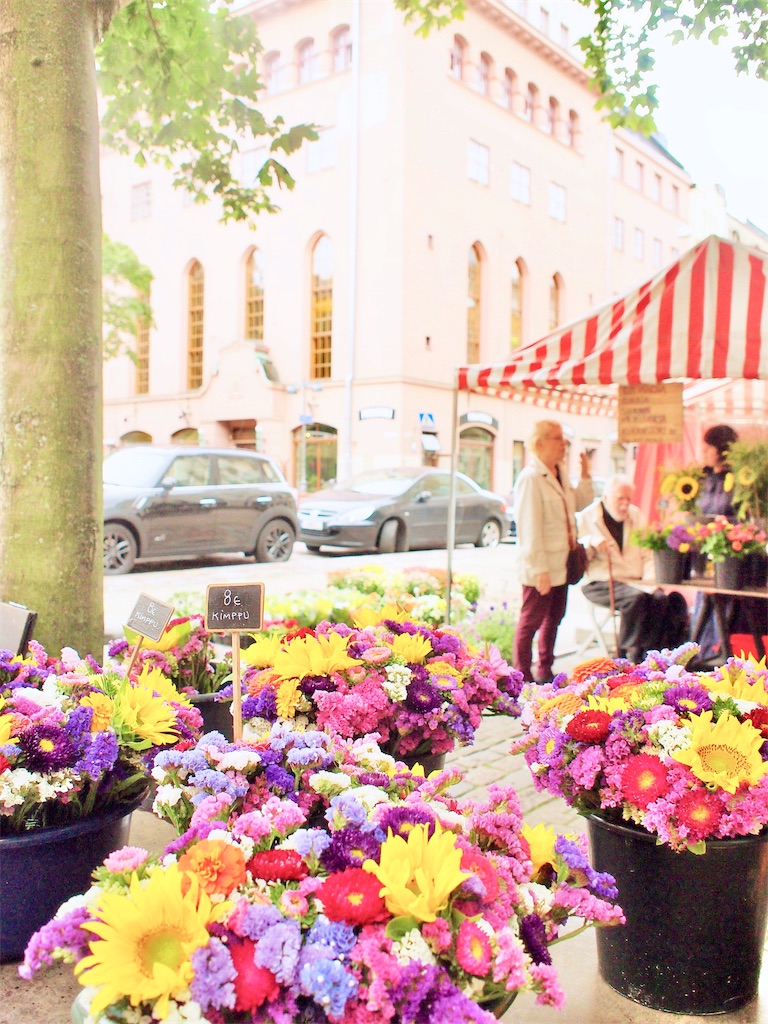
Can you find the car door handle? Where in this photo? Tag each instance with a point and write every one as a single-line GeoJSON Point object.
{"type": "Point", "coordinates": [263, 501]}
{"type": "Point", "coordinates": [208, 501]}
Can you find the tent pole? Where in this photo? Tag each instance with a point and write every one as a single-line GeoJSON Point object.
{"type": "Point", "coordinates": [452, 497]}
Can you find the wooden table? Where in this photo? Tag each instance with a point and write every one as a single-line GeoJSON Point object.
{"type": "Point", "coordinates": [715, 600]}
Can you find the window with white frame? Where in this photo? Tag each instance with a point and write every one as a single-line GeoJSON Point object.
{"type": "Point", "coordinates": [478, 162]}
{"type": "Point", "coordinates": [618, 234]}
{"type": "Point", "coordinates": [657, 188]}
{"type": "Point", "coordinates": [342, 49]}
{"type": "Point", "coordinates": [458, 57]}
{"type": "Point", "coordinates": [508, 88]}
{"type": "Point", "coordinates": [544, 20]}
{"type": "Point", "coordinates": [658, 254]}
{"type": "Point", "coordinates": [638, 245]}
{"type": "Point", "coordinates": [675, 199]}
{"type": "Point", "coordinates": [564, 36]}
{"type": "Point", "coordinates": [639, 176]}
{"type": "Point", "coordinates": [484, 74]}
{"type": "Point", "coordinates": [307, 61]}
{"type": "Point", "coordinates": [521, 184]}
{"type": "Point", "coordinates": [272, 72]}
{"type": "Point", "coordinates": [618, 164]}
{"type": "Point", "coordinates": [141, 201]}
{"type": "Point", "coordinates": [556, 202]}
{"type": "Point", "coordinates": [321, 154]}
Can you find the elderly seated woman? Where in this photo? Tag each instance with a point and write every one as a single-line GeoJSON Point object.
{"type": "Point", "coordinates": [649, 620]}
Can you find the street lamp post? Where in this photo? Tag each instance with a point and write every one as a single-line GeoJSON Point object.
{"type": "Point", "coordinates": [305, 418]}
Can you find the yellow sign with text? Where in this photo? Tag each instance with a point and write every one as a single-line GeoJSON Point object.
{"type": "Point", "coordinates": [651, 413]}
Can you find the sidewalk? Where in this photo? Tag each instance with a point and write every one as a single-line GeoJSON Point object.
{"type": "Point", "coordinates": [48, 999]}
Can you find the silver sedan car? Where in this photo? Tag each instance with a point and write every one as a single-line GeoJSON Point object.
{"type": "Point", "coordinates": [400, 510]}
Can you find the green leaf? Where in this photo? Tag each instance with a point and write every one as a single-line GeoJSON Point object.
{"type": "Point", "coordinates": [399, 927]}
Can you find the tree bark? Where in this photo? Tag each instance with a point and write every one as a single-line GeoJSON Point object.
{"type": "Point", "coordinates": [50, 320]}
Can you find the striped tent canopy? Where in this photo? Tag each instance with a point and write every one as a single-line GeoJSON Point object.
{"type": "Point", "coordinates": [704, 318]}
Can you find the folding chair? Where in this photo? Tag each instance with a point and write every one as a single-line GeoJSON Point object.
{"type": "Point", "coordinates": [601, 619]}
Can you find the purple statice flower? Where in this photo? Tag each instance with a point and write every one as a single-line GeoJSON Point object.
{"type": "Point", "coordinates": [64, 933]}
{"type": "Point", "coordinates": [278, 950]}
{"type": "Point", "coordinates": [78, 726]}
{"type": "Point", "coordinates": [307, 757]}
{"type": "Point", "coordinates": [444, 644]}
{"type": "Point", "coordinates": [279, 779]}
{"type": "Point", "coordinates": [600, 882]}
{"type": "Point", "coordinates": [210, 781]}
{"type": "Point", "coordinates": [309, 842]}
{"type": "Point", "coordinates": [185, 760]}
{"type": "Point", "coordinates": [310, 684]}
{"type": "Point", "coordinates": [335, 935]}
{"type": "Point", "coordinates": [329, 984]}
{"type": "Point", "coordinates": [214, 975]}
{"type": "Point", "coordinates": [379, 779]}
{"type": "Point", "coordinates": [47, 748]}
{"type": "Point", "coordinates": [349, 848]}
{"type": "Point", "coordinates": [534, 936]}
{"type": "Point", "coordinates": [688, 700]}
{"type": "Point", "coordinates": [117, 647]}
{"type": "Point", "coordinates": [263, 705]}
{"type": "Point", "coordinates": [345, 809]}
{"type": "Point", "coordinates": [257, 919]}
{"type": "Point", "coordinates": [402, 820]}
{"type": "Point", "coordinates": [422, 696]}
{"type": "Point", "coordinates": [99, 756]}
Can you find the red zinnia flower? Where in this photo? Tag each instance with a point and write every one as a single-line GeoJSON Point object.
{"type": "Point", "coordinates": [253, 984]}
{"type": "Point", "coordinates": [759, 718]}
{"type": "Point", "coordinates": [278, 866]}
{"type": "Point", "coordinates": [589, 726]}
{"type": "Point", "coordinates": [644, 779]}
{"type": "Point", "coordinates": [4, 763]}
{"type": "Point", "coordinates": [352, 896]}
{"type": "Point", "coordinates": [700, 811]}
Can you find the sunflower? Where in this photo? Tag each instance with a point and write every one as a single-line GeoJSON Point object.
{"type": "Point", "coordinates": [541, 843]}
{"type": "Point", "coordinates": [364, 617]}
{"type": "Point", "coordinates": [154, 680]}
{"type": "Point", "coordinates": [728, 483]}
{"type": "Point", "coordinates": [141, 719]}
{"type": "Point", "coordinates": [7, 723]}
{"type": "Point", "coordinates": [314, 656]}
{"type": "Point", "coordinates": [686, 488]}
{"type": "Point", "coordinates": [263, 651]}
{"type": "Point", "coordinates": [746, 476]}
{"type": "Point", "coordinates": [411, 649]}
{"type": "Point", "coordinates": [146, 938]}
{"type": "Point", "coordinates": [668, 484]}
{"type": "Point", "coordinates": [174, 636]}
{"type": "Point", "coordinates": [739, 686]}
{"type": "Point", "coordinates": [724, 754]}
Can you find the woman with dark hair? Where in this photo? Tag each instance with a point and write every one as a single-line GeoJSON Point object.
{"type": "Point", "coordinates": [713, 499]}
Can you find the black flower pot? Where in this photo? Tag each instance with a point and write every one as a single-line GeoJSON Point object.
{"type": "Point", "coordinates": [696, 924]}
{"type": "Point", "coordinates": [669, 566]}
{"type": "Point", "coordinates": [732, 574]}
{"type": "Point", "coordinates": [217, 714]}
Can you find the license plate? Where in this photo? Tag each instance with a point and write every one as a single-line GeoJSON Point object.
{"type": "Point", "coordinates": [310, 522]}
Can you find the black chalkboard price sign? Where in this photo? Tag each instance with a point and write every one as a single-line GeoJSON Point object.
{"type": "Point", "coordinates": [150, 617]}
{"type": "Point", "coordinates": [234, 607]}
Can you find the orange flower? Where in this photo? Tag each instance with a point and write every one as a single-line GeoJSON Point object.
{"type": "Point", "coordinates": [593, 667]}
{"type": "Point", "coordinates": [567, 703]}
{"type": "Point", "coordinates": [261, 680]}
{"type": "Point", "coordinates": [219, 866]}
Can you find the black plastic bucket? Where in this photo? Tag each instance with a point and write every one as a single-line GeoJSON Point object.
{"type": "Point", "coordinates": [695, 931]}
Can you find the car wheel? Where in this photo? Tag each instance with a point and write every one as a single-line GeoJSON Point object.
{"type": "Point", "coordinates": [275, 542]}
{"type": "Point", "coordinates": [490, 535]}
{"type": "Point", "coordinates": [388, 537]}
{"type": "Point", "coordinates": [313, 549]}
{"type": "Point", "coordinates": [120, 549]}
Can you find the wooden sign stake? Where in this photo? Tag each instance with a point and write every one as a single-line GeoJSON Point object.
{"type": "Point", "coordinates": [134, 656]}
{"type": "Point", "coordinates": [237, 702]}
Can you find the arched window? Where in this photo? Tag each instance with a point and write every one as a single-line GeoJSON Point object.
{"type": "Point", "coordinates": [555, 301]}
{"type": "Point", "coordinates": [508, 88]}
{"type": "Point", "coordinates": [322, 309]}
{"type": "Point", "coordinates": [341, 44]}
{"type": "Point", "coordinates": [573, 128]}
{"type": "Point", "coordinates": [516, 291]}
{"type": "Point", "coordinates": [142, 349]}
{"type": "Point", "coordinates": [195, 317]}
{"type": "Point", "coordinates": [474, 288]}
{"type": "Point", "coordinates": [531, 96]}
{"type": "Point", "coordinates": [476, 455]}
{"type": "Point", "coordinates": [187, 435]}
{"type": "Point", "coordinates": [271, 63]}
{"type": "Point", "coordinates": [458, 57]}
{"type": "Point", "coordinates": [484, 74]}
{"type": "Point", "coordinates": [317, 445]}
{"type": "Point", "coordinates": [136, 437]}
{"type": "Point", "coordinates": [254, 296]}
{"type": "Point", "coordinates": [553, 113]}
{"type": "Point", "coordinates": [305, 60]}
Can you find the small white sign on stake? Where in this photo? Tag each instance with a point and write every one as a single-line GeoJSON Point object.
{"type": "Point", "coordinates": [149, 619]}
{"type": "Point", "coordinates": [235, 608]}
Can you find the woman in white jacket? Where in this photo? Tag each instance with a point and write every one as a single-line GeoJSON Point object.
{"type": "Point", "coordinates": [545, 506]}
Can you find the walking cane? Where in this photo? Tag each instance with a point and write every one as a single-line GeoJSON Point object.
{"type": "Point", "coordinates": [613, 602]}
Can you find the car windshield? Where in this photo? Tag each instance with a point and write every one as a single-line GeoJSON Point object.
{"type": "Point", "coordinates": [378, 483]}
{"type": "Point", "coordinates": [134, 467]}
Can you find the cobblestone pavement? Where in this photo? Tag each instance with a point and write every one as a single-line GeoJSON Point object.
{"type": "Point", "coordinates": [48, 999]}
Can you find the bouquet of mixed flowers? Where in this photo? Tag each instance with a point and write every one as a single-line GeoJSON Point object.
{"type": "Point", "coordinates": [683, 755]}
{"type": "Point", "coordinates": [76, 740]}
{"type": "Point", "coordinates": [654, 536]}
{"type": "Point", "coordinates": [184, 653]}
{"type": "Point", "coordinates": [319, 882]}
{"type": "Point", "coordinates": [421, 690]}
{"type": "Point", "coordinates": [720, 539]}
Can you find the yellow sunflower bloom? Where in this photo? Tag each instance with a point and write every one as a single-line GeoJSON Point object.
{"type": "Point", "coordinates": [728, 483]}
{"type": "Point", "coordinates": [724, 754]}
{"type": "Point", "coordinates": [154, 680]}
{"type": "Point", "coordinates": [668, 483]}
{"type": "Point", "coordinates": [607, 704]}
{"type": "Point", "coordinates": [263, 651]}
{"type": "Point", "coordinates": [746, 476]}
{"type": "Point", "coordinates": [686, 488]}
{"type": "Point", "coordinates": [541, 842]}
{"type": "Point", "coordinates": [102, 710]}
{"type": "Point", "coordinates": [146, 938]}
{"type": "Point", "coordinates": [6, 730]}
{"type": "Point", "coordinates": [419, 874]}
{"type": "Point", "coordinates": [411, 649]}
{"type": "Point", "coordinates": [364, 617]}
{"type": "Point", "coordinates": [314, 656]}
{"type": "Point", "coordinates": [142, 719]}
{"type": "Point", "coordinates": [173, 636]}
{"type": "Point", "coordinates": [740, 686]}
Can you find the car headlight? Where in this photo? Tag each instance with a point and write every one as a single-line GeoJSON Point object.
{"type": "Point", "coordinates": [358, 514]}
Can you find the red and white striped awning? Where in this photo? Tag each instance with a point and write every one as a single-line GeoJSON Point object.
{"type": "Point", "coordinates": [705, 317]}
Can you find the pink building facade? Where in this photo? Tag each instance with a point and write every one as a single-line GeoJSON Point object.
{"type": "Point", "coordinates": [463, 198]}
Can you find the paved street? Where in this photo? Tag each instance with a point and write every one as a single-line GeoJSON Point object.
{"type": "Point", "coordinates": [48, 999]}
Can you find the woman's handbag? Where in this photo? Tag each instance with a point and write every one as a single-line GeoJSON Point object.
{"type": "Point", "coordinates": [576, 564]}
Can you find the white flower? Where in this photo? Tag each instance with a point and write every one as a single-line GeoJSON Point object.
{"type": "Point", "coordinates": [169, 795]}
{"type": "Point", "coordinates": [238, 760]}
{"type": "Point", "coordinates": [396, 683]}
{"type": "Point", "coordinates": [370, 796]}
{"type": "Point", "coordinates": [669, 736]}
{"type": "Point", "coordinates": [412, 947]}
{"type": "Point", "coordinates": [329, 783]}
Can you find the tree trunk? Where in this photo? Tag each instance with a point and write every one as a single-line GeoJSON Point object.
{"type": "Point", "coordinates": [50, 321]}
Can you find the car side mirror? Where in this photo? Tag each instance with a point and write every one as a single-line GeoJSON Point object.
{"type": "Point", "coordinates": [423, 496]}
{"type": "Point", "coordinates": [168, 483]}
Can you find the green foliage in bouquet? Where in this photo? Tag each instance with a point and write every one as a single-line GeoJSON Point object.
{"type": "Point", "coordinates": [748, 462]}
